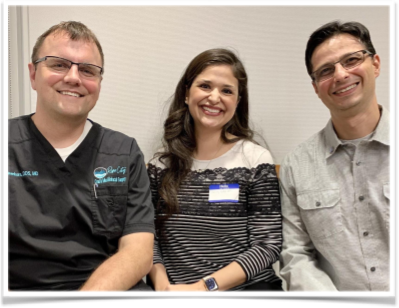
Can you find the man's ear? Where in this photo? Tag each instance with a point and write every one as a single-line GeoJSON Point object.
{"type": "Point", "coordinates": [32, 75]}
{"type": "Point", "coordinates": [315, 88]}
{"type": "Point", "coordinates": [377, 65]}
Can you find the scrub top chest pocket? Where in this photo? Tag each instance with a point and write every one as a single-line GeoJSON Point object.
{"type": "Point", "coordinates": [109, 210]}
{"type": "Point", "coordinates": [321, 212]}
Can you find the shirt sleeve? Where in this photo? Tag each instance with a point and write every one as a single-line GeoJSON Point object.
{"type": "Point", "coordinates": [264, 221]}
{"type": "Point", "coordinates": [152, 174]}
{"type": "Point", "coordinates": [299, 265]}
{"type": "Point", "coordinates": [140, 212]}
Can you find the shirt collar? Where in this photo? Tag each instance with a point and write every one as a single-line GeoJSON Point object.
{"type": "Point", "coordinates": [381, 133]}
{"type": "Point", "coordinates": [332, 141]}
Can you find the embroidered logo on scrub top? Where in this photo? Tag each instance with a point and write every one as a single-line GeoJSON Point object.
{"type": "Point", "coordinates": [109, 175]}
{"type": "Point", "coordinates": [24, 173]}
{"type": "Point", "coordinates": [100, 172]}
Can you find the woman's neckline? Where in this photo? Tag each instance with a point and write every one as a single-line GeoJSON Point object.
{"type": "Point", "coordinates": [237, 144]}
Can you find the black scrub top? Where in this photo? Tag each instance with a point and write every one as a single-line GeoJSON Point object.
{"type": "Point", "coordinates": [65, 219]}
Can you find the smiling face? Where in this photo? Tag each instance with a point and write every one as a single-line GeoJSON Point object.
{"type": "Point", "coordinates": [347, 89]}
{"type": "Point", "coordinates": [61, 95]}
{"type": "Point", "coordinates": [212, 98]}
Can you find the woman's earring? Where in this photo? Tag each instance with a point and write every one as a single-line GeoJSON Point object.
{"type": "Point", "coordinates": [186, 101]}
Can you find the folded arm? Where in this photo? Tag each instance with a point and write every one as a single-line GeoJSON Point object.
{"type": "Point", "coordinates": [133, 260]}
{"type": "Point", "coordinates": [227, 278]}
{"type": "Point", "coordinates": [126, 267]}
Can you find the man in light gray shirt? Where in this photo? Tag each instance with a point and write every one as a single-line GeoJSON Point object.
{"type": "Point", "coordinates": [335, 186]}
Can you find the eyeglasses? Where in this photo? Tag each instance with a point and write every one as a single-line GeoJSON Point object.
{"type": "Point", "coordinates": [61, 65]}
{"type": "Point", "coordinates": [348, 62]}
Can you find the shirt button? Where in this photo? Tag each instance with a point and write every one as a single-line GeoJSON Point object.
{"type": "Point", "coordinates": [365, 233]}
{"type": "Point", "coordinates": [372, 269]}
{"type": "Point", "coordinates": [358, 163]}
{"type": "Point", "coordinates": [361, 198]}
{"type": "Point", "coordinates": [318, 203]}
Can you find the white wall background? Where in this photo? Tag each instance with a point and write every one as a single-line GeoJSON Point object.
{"type": "Point", "coordinates": [147, 48]}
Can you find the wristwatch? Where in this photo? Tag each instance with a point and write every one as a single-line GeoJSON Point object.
{"type": "Point", "coordinates": [210, 283]}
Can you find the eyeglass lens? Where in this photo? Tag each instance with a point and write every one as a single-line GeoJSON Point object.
{"type": "Point", "coordinates": [63, 66]}
{"type": "Point", "coordinates": [348, 62]}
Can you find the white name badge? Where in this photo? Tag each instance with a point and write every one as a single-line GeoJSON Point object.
{"type": "Point", "coordinates": [224, 193]}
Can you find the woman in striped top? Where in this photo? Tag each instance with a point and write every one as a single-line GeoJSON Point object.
{"type": "Point", "coordinates": [216, 193]}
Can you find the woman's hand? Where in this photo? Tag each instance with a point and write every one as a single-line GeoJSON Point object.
{"type": "Point", "coordinates": [197, 286]}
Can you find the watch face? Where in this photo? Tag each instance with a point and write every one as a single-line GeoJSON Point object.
{"type": "Point", "coordinates": [211, 284]}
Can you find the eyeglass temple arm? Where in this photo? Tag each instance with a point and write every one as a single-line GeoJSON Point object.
{"type": "Point", "coordinates": [40, 60]}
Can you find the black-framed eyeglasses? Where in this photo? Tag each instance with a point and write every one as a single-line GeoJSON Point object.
{"type": "Point", "coordinates": [61, 65]}
{"type": "Point", "coordinates": [348, 62]}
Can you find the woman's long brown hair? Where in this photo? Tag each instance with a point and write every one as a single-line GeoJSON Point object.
{"type": "Point", "coordinates": [179, 140]}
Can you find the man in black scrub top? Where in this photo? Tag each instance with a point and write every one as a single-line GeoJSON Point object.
{"type": "Point", "coordinates": [80, 212]}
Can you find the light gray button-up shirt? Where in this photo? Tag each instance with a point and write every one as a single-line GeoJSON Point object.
{"type": "Point", "coordinates": [335, 206]}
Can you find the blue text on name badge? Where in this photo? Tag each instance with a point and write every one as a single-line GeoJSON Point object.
{"type": "Point", "coordinates": [224, 192]}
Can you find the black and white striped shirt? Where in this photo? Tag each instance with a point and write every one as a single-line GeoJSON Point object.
{"type": "Point", "coordinates": [205, 237]}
